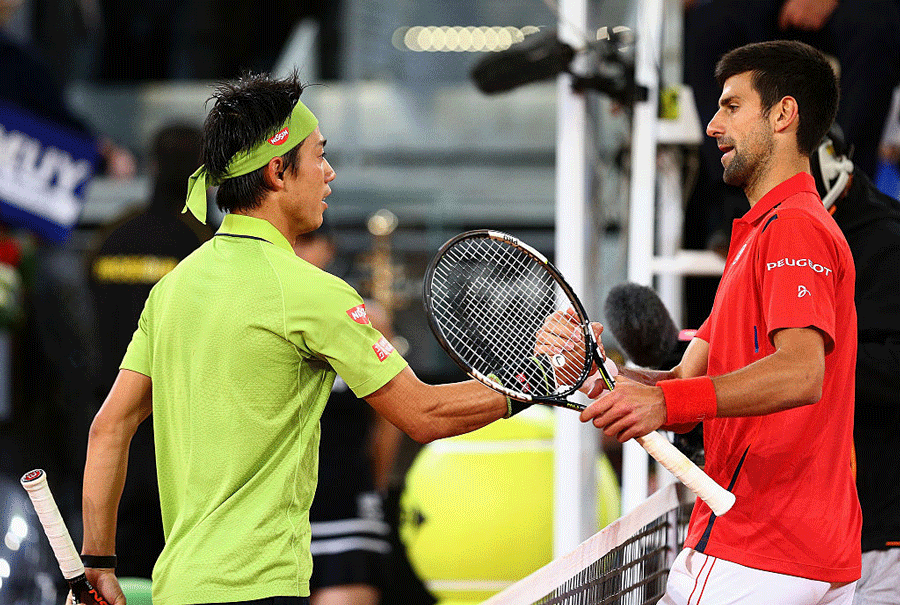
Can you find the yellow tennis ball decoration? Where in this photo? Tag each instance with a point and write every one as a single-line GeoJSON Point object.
{"type": "Point", "coordinates": [477, 511]}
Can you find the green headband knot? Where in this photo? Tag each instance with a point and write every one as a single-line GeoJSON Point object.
{"type": "Point", "coordinates": [295, 129]}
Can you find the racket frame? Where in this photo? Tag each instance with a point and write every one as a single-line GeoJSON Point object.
{"type": "Point", "coordinates": [592, 354]}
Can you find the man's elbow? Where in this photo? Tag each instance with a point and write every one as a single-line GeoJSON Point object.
{"type": "Point", "coordinates": [101, 427]}
{"type": "Point", "coordinates": [813, 394]}
{"type": "Point", "coordinates": [111, 428]}
{"type": "Point", "coordinates": [809, 388]}
{"type": "Point", "coordinates": [421, 433]}
{"type": "Point", "coordinates": [424, 429]}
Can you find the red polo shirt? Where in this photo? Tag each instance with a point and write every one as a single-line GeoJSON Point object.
{"type": "Point", "coordinates": [796, 511]}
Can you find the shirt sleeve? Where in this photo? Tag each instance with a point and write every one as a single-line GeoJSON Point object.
{"type": "Point", "coordinates": [798, 271]}
{"type": "Point", "coordinates": [336, 328]}
{"type": "Point", "coordinates": [137, 356]}
{"type": "Point", "coordinates": [703, 332]}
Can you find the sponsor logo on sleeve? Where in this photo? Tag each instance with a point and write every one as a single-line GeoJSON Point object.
{"type": "Point", "coordinates": [383, 348]}
{"type": "Point", "coordinates": [280, 137]}
{"type": "Point", "coordinates": [358, 314]}
{"type": "Point", "coordinates": [798, 262]}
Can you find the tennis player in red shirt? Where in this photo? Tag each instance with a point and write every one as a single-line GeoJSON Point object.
{"type": "Point", "coordinates": [771, 371]}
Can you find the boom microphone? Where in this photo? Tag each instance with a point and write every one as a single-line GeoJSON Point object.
{"type": "Point", "coordinates": [538, 57]}
{"type": "Point", "coordinates": [641, 323]}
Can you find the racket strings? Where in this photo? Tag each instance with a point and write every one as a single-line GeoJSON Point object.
{"type": "Point", "coordinates": [490, 300]}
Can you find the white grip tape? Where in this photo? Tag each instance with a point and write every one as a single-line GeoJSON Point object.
{"type": "Point", "coordinates": [35, 483]}
{"type": "Point", "coordinates": [717, 497]}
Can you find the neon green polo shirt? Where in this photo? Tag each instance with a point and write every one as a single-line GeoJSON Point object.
{"type": "Point", "coordinates": [242, 341]}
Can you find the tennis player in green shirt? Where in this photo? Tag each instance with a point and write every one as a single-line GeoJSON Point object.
{"type": "Point", "coordinates": [235, 354]}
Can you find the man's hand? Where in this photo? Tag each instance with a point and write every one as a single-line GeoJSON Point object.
{"type": "Point", "coordinates": [631, 410]}
{"type": "Point", "coordinates": [561, 335]}
{"type": "Point", "coordinates": [107, 584]}
{"type": "Point", "coordinates": [809, 15]}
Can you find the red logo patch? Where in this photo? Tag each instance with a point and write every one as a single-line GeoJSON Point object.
{"type": "Point", "coordinates": [358, 314]}
{"type": "Point", "coordinates": [383, 348]}
{"type": "Point", "coordinates": [281, 137]}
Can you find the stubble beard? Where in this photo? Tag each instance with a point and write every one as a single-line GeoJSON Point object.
{"type": "Point", "coordinates": [746, 167]}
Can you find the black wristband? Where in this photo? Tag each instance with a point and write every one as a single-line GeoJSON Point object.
{"type": "Point", "coordinates": [99, 561]}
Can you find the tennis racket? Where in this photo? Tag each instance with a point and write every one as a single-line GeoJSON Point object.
{"type": "Point", "coordinates": [487, 295]}
{"type": "Point", "coordinates": [35, 483]}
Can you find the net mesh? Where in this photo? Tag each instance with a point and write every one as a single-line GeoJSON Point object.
{"type": "Point", "coordinates": [626, 563]}
{"type": "Point", "coordinates": [490, 299]}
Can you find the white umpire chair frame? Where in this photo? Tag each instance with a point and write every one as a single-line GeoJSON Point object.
{"type": "Point", "coordinates": [654, 237]}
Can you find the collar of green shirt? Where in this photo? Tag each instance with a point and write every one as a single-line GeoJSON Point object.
{"type": "Point", "coordinates": [241, 225]}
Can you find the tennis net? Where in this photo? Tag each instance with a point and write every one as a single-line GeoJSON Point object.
{"type": "Point", "coordinates": [625, 563]}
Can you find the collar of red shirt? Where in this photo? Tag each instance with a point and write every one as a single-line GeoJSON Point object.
{"type": "Point", "coordinates": [799, 183]}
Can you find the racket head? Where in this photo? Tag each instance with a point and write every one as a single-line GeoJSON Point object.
{"type": "Point", "coordinates": [486, 296]}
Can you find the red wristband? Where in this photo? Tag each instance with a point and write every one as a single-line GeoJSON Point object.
{"type": "Point", "coordinates": [689, 400]}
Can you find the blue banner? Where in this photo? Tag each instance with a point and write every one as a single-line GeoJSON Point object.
{"type": "Point", "coordinates": [44, 172]}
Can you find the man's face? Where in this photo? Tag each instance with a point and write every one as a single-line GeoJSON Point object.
{"type": "Point", "coordinates": [742, 131]}
{"type": "Point", "coordinates": [307, 185]}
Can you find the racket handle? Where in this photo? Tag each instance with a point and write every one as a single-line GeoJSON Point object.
{"type": "Point", "coordinates": [35, 483]}
{"type": "Point", "coordinates": [717, 497]}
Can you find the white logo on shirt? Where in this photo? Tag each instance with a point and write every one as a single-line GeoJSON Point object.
{"type": "Point", "coordinates": [802, 291]}
{"type": "Point", "coordinates": [798, 262]}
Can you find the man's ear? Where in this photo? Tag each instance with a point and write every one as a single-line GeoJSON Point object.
{"type": "Point", "coordinates": [785, 115]}
{"type": "Point", "coordinates": [274, 173]}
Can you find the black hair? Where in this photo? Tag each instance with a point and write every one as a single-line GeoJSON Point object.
{"type": "Point", "coordinates": [175, 152]}
{"type": "Point", "coordinates": [783, 68]}
{"type": "Point", "coordinates": [246, 112]}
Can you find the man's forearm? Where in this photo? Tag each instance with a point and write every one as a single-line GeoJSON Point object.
{"type": "Point", "coordinates": [428, 412]}
{"type": "Point", "coordinates": [104, 478]}
{"type": "Point", "coordinates": [128, 404]}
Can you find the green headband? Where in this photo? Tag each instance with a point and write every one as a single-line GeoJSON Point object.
{"type": "Point", "coordinates": [295, 129]}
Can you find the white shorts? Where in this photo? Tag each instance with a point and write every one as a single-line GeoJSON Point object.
{"type": "Point", "coordinates": [699, 579]}
{"type": "Point", "coordinates": [880, 581]}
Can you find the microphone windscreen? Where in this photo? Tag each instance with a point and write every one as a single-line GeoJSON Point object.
{"type": "Point", "coordinates": [538, 57]}
{"type": "Point", "coordinates": [641, 323]}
